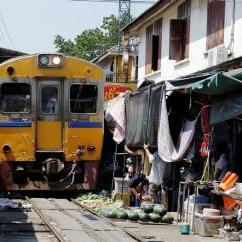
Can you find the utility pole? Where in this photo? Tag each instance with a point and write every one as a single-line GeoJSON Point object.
{"type": "Point", "coordinates": [123, 13]}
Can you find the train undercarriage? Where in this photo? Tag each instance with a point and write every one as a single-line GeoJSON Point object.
{"type": "Point", "coordinates": [49, 174]}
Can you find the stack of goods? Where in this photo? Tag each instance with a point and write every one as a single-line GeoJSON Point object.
{"type": "Point", "coordinates": [149, 213]}
{"type": "Point", "coordinates": [208, 222]}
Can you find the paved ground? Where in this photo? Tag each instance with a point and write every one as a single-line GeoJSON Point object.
{"type": "Point", "coordinates": [161, 233]}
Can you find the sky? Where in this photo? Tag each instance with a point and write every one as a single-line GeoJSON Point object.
{"type": "Point", "coordinates": [30, 25]}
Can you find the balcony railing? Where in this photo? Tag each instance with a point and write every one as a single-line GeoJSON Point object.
{"type": "Point", "coordinates": [118, 77]}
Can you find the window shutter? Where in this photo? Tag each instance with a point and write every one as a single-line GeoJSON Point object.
{"type": "Point", "coordinates": [187, 36]}
{"type": "Point", "coordinates": [155, 52]}
{"type": "Point", "coordinates": [158, 32]}
{"type": "Point", "coordinates": [177, 35]}
{"type": "Point", "coordinates": [148, 55]}
{"type": "Point", "coordinates": [215, 23]}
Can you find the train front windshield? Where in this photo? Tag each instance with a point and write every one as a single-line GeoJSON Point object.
{"type": "Point", "coordinates": [83, 98]}
{"type": "Point", "coordinates": [15, 98]}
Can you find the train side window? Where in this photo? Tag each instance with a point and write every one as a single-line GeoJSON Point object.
{"type": "Point", "coordinates": [83, 98]}
{"type": "Point", "coordinates": [49, 97]}
{"type": "Point", "coordinates": [15, 98]}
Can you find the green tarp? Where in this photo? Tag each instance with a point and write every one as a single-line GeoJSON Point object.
{"type": "Point", "coordinates": [220, 83]}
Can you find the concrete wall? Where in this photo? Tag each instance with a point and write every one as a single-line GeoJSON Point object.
{"type": "Point", "coordinates": [198, 56]}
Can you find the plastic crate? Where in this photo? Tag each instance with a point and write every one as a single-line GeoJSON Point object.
{"type": "Point", "coordinates": [207, 225]}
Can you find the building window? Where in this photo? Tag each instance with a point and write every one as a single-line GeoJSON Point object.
{"type": "Point", "coordinates": [83, 98]}
{"type": "Point", "coordinates": [180, 32]}
{"type": "Point", "coordinates": [215, 23]}
{"type": "Point", "coordinates": [15, 98]}
{"type": "Point", "coordinates": [153, 46]}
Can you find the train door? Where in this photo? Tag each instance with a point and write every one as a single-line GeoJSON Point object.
{"type": "Point", "coordinates": [49, 115]}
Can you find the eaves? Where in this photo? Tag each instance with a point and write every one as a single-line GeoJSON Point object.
{"type": "Point", "coordinates": [146, 16]}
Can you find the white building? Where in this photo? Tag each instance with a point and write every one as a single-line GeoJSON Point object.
{"type": "Point", "coordinates": [181, 37]}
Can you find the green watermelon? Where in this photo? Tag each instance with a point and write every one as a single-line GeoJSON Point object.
{"type": "Point", "coordinates": [122, 214]}
{"type": "Point", "coordinates": [167, 219]}
{"type": "Point", "coordinates": [160, 209]}
{"type": "Point", "coordinates": [109, 213]}
{"type": "Point", "coordinates": [148, 208]}
{"type": "Point", "coordinates": [144, 217]}
{"type": "Point", "coordinates": [133, 216]}
{"type": "Point", "coordinates": [155, 217]}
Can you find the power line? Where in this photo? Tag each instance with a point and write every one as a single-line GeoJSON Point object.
{"type": "Point", "coordinates": [116, 1]}
{"type": "Point", "coordinates": [6, 30]}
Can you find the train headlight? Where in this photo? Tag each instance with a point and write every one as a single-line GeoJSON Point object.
{"type": "Point", "coordinates": [50, 60]}
{"type": "Point", "coordinates": [44, 60]}
{"type": "Point", "coordinates": [56, 60]}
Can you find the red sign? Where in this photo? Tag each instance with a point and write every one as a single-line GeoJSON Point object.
{"type": "Point", "coordinates": [112, 91]}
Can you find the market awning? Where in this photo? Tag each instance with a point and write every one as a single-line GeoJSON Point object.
{"type": "Point", "coordinates": [220, 83]}
{"type": "Point", "coordinates": [226, 108]}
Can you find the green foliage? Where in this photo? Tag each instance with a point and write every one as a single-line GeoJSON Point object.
{"type": "Point", "coordinates": [89, 196]}
{"type": "Point", "coordinates": [92, 42]}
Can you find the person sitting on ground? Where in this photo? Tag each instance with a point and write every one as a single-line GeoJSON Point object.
{"type": "Point", "coordinates": [158, 178]}
{"type": "Point", "coordinates": [221, 160]}
{"type": "Point", "coordinates": [136, 185]}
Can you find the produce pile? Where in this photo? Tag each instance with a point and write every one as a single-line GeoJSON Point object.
{"type": "Point", "coordinates": [109, 209]}
{"type": "Point", "coordinates": [154, 213]}
{"type": "Point", "coordinates": [96, 203]}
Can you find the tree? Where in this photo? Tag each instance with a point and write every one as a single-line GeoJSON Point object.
{"type": "Point", "coordinates": [92, 42]}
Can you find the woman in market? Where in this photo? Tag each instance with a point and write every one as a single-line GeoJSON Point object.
{"type": "Point", "coordinates": [137, 187]}
{"type": "Point", "coordinates": [159, 175]}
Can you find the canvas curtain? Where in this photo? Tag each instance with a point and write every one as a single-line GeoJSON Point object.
{"type": "Point", "coordinates": [166, 148]}
{"type": "Point", "coordinates": [224, 109]}
{"type": "Point", "coordinates": [137, 113]}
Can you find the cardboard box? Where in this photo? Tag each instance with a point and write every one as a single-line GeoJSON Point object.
{"type": "Point", "coordinates": [125, 197]}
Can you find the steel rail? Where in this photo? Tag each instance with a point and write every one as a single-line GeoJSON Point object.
{"type": "Point", "coordinates": [132, 235]}
{"type": "Point", "coordinates": [46, 221]}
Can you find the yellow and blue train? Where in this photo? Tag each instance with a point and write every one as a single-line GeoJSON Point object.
{"type": "Point", "coordinates": [51, 123]}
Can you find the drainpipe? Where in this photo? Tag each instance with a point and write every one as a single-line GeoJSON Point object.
{"type": "Point", "coordinates": [231, 43]}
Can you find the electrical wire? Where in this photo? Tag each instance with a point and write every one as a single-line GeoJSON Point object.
{"type": "Point", "coordinates": [6, 31]}
{"type": "Point", "coordinates": [116, 1]}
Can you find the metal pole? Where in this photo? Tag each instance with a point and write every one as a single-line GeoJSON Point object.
{"type": "Point", "coordinates": [193, 211]}
{"type": "Point", "coordinates": [179, 202]}
{"type": "Point", "coordinates": [183, 200]}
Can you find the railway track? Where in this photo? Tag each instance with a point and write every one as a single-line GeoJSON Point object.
{"type": "Point", "coordinates": [56, 220]}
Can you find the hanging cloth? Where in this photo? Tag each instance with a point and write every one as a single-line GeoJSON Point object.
{"type": "Point", "coordinates": [206, 128]}
{"type": "Point", "coordinates": [166, 149]}
{"type": "Point", "coordinates": [115, 116]}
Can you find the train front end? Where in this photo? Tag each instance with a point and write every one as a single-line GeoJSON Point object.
{"type": "Point", "coordinates": [51, 123]}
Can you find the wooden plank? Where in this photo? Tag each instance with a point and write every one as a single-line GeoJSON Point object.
{"type": "Point", "coordinates": [64, 204]}
{"type": "Point", "coordinates": [22, 227]}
